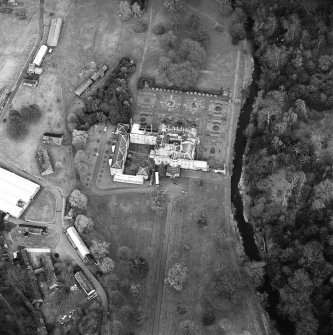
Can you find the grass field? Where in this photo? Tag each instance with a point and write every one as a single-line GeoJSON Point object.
{"type": "Point", "coordinates": [48, 97]}
{"type": "Point", "coordinates": [42, 208]}
{"type": "Point", "coordinates": [17, 38]}
{"type": "Point", "coordinates": [49, 240]}
{"type": "Point", "coordinates": [125, 220]}
{"type": "Point", "coordinates": [202, 251]}
{"type": "Point", "coordinates": [93, 32]}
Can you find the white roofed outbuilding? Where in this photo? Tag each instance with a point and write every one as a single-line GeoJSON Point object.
{"type": "Point", "coordinates": [16, 193]}
{"type": "Point", "coordinates": [40, 55]}
{"type": "Point", "coordinates": [76, 240]}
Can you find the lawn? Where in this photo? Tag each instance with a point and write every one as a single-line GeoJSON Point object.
{"type": "Point", "coordinates": [202, 251]}
{"type": "Point", "coordinates": [42, 209]}
{"type": "Point", "coordinates": [93, 32]}
{"type": "Point", "coordinates": [219, 69]}
{"type": "Point", "coordinates": [49, 240]}
{"type": "Point", "coordinates": [17, 38]}
{"type": "Point", "coordinates": [49, 99]}
{"type": "Point", "coordinates": [126, 220]}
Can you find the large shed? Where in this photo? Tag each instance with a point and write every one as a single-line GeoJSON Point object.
{"type": "Point", "coordinates": [77, 242]}
{"type": "Point", "coordinates": [15, 193]}
{"type": "Point", "coordinates": [54, 32]}
{"type": "Point", "coordinates": [40, 55]}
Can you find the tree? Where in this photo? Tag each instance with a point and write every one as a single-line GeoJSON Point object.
{"type": "Point", "coordinates": [174, 6]}
{"type": "Point", "coordinates": [256, 270]}
{"type": "Point", "coordinates": [225, 285]}
{"type": "Point", "coordinates": [117, 328]}
{"type": "Point", "coordinates": [91, 320]}
{"type": "Point", "coordinates": [194, 21]}
{"type": "Point", "coordinates": [276, 57]}
{"type": "Point", "coordinates": [201, 35]}
{"type": "Point", "coordinates": [164, 63]}
{"type": "Point", "coordinates": [31, 113]}
{"type": "Point", "coordinates": [237, 32]}
{"type": "Point", "coordinates": [323, 194]}
{"type": "Point", "coordinates": [125, 10]}
{"type": "Point", "coordinates": [138, 267]}
{"type": "Point", "coordinates": [124, 253]}
{"type": "Point", "coordinates": [16, 127]}
{"type": "Point", "coordinates": [81, 162]}
{"type": "Point", "coordinates": [171, 39]}
{"type": "Point", "coordinates": [159, 29]}
{"type": "Point", "coordinates": [140, 26]}
{"type": "Point", "coordinates": [186, 327]}
{"type": "Point", "coordinates": [99, 249]}
{"type": "Point", "coordinates": [193, 52]}
{"type": "Point", "coordinates": [83, 224]}
{"type": "Point", "coordinates": [325, 62]}
{"type": "Point", "coordinates": [79, 139]}
{"type": "Point", "coordinates": [183, 75]}
{"type": "Point", "coordinates": [208, 318]}
{"type": "Point", "coordinates": [136, 291]}
{"type": "Point", "coordinates": [117, 299]}
{"type": "Point", "coordinates": [58, 165]}
{"type": "Point", "coordinates": [225, 7]}
{"type": "Point", "coordinates": [177, 276]}
{"type": "Point", "coordinates": [136, 9]}
{"type": "Point", "coordinates": [107, 265]}
{"type": "Point", "coordinates": [158, 201]}
{"type": "Point", "coordinates": [78, 200]}
{"type": "Point", "coordinates": [295, 296]}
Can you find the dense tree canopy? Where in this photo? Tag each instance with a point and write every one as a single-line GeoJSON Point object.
{"type": "Point", "coordinates": [288, 164]}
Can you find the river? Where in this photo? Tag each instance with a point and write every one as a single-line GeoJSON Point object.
{"type": "Point", "coordinates": [284, 327]}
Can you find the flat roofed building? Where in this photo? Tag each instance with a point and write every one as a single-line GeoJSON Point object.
{"type": "Point", "coordinates": [53, 139]}
{"type": "Point", "coordinates": [15, 193]}
{"type": "Point", "coordinates": [127, 178]}
{"type": "Point", "coordinates": [30, 82]}
{"type": "Point", "coordinates": [173, 171]}
{"type": "Point", "coordinates": [142, 135]}
{"type": "Point", "coordinates": [54, 32]}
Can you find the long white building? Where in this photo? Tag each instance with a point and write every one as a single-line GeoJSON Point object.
{"type": "Point", "coordinates": [15, 193]}
{"type": "Point", "coordinates": [40, 55]}
{"type": "Point", "coordinates": [76, 240]}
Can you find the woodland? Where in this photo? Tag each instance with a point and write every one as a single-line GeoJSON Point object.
{"type": "Point", "coordinates": [288, 162]}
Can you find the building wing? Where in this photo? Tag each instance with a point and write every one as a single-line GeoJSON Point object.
{"type": "Point", "coordinates": [120, 152]}
{"type": "Point", "coordinates": [15, 192]}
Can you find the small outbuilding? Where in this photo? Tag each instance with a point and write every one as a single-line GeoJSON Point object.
{"type": "Point", "coordinates": [173, 171]}
{"type": "Point", "coordinates": [44, 162]}
{"type": "Point", "coordinates": [53, 139]}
